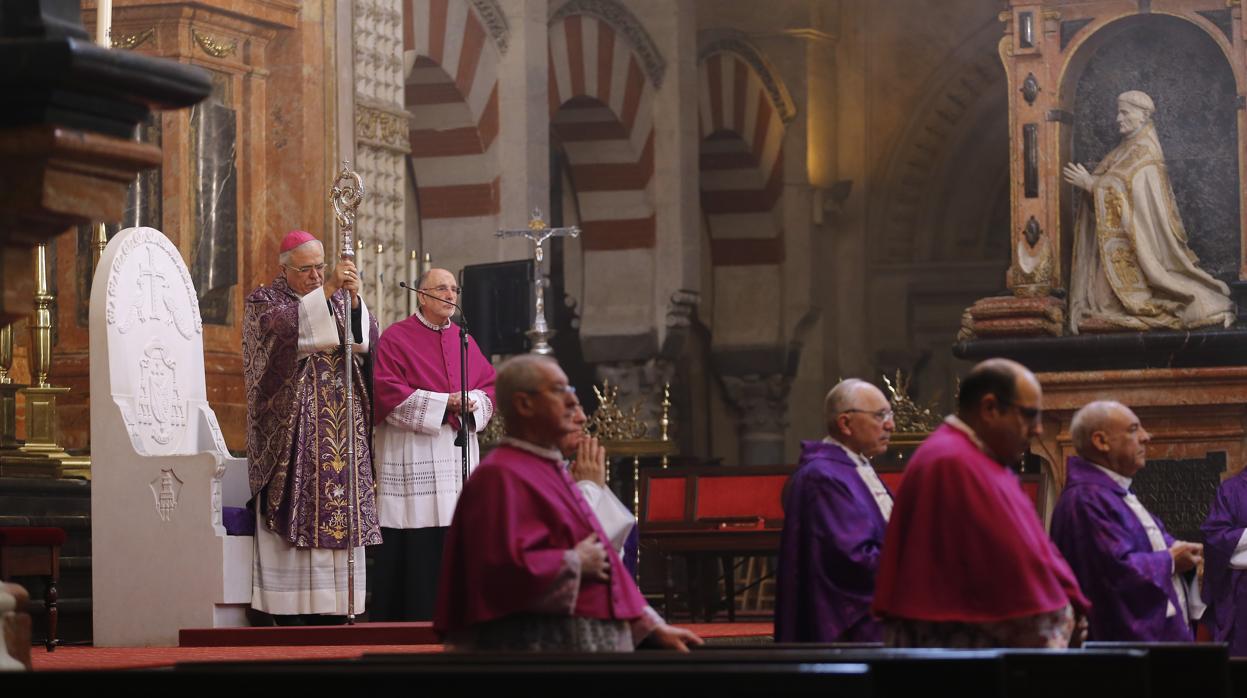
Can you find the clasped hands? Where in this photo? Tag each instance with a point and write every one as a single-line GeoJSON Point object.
{"type": "Point", "coordinates": [1186, 556]}
{"type": "Point", "coordinates": [455, 406]}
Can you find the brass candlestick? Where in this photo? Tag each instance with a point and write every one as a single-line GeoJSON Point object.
{"type": "Point", "coordinates": [41, 322]}
{"type": "Point", "coordinates": [99, 239]}
{"type": "Point", "coordinates": [41, 456]}
{"type": "Point", "coordinates": [8, 392]}
{"type": "Point", "coordinates": [664, 422]}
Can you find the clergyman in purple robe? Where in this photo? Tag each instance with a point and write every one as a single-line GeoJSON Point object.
{"type": "Point", "coordinates": [1132, 570]}
{"type": "Point", "coordinates": [835, 512]}
{"type": "Point", "coordinates": [298, 435]}
{"type": "Point", "coordinates": [1225, 565]}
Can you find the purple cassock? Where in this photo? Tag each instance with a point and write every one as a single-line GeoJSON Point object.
{"type": "Point", "coordinates": [1225, 589]}
{"type": "Point", "coordinates": [1130, 586]}
{"type": "Point", "coordinates": [297, 428]}
{"type": "Point", "coordinates": [829, 551]}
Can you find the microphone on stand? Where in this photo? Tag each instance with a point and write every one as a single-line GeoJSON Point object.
{"type": "Point", "coordinates": [413, 289]}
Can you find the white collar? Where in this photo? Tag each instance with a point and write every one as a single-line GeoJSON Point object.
{"type": "Point", "coordinates": [956, 422]}
{"type": "Point", "coordinates": [1117, 477]}
{"type": "Point", "coordinates": [431, 326]}
{"type": "Point", "coordinates": [550, 454]}
{"type": "Point", "coordinates": [862, 461]}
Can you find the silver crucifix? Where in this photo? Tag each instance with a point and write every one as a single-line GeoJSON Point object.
{"type": "Point", "coordinates": [538, 232]}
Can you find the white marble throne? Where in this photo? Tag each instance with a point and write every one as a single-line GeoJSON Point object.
{"type": "Point", "coordinates": [161, 473]}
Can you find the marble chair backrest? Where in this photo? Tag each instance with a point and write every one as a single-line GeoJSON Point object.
{"type": "Point", "coordinates": [145, 324]}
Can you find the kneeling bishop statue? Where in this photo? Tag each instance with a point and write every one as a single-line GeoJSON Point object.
{"type": "Point", "coordinates": [1132, 267]}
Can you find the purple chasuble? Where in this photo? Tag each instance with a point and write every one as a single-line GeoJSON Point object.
{"type": "Point", "coordinates": [296, 427]}
{"type": "Point", "coordinates": [1130, 585]}
{"type": "Point", "coordinates": [410, 356]}
{"type": "Point", "coordinates": [1225, 589]}
{"type": "Point", "coordinates": [829, 551]}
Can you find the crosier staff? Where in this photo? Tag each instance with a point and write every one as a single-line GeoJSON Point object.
{"type": "Point", "coordinates": [346, 196]}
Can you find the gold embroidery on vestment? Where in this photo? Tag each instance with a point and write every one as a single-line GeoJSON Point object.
{"type": "Point", "coordinates": [1113, 205]}
{"type": "Point", "coordinates": [1126, 268]}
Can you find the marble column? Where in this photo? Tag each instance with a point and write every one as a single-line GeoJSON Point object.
{"type": "Point", "coordinates": [381, 144]}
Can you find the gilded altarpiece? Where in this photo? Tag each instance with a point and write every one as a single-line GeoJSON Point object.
{"type": "Point", "coordinates": [1067, 61]}
{"type": "Point", "coordinates": [272, 99]}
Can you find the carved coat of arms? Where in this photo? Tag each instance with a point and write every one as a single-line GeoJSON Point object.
{"type": "Point", "coordinates": [161, 408]}
{"type": "Point", "coordinates": [167, 489]}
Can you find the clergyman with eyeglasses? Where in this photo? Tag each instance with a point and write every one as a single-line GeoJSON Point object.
{"type": "Point", "coordinates": [835, 513]}
{"type": "Point", "coordinates": [527, 564]}
{"type": "Point", "coordinates": [416, 382]}
{"type": "Point", "coordinates": [1139, 577]}
{"type": "Point", "coordinates": [966, 561]}
{"type": "Point", "coordinates": [297, 435]}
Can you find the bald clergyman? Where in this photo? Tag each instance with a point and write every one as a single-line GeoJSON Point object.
{"type": "Point", "coordinates": [1126, 562]}
{"type": "Point", "coordinates": [419, 467]}
{"type": "Point", "coordinates": [835, 514]}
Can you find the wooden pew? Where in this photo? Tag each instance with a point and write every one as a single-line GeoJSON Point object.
{"type": "Point", "coordinates": [896, 672]}
{"type": "Point", "coordinates": [709, 513]}
{"type": "Point", "coordinates": [1237, 671]}
{"type": "Point", "coordinates": [884, 673]}
{"type": "Point", "coordinates": [573, 676]}
{"type": "Point", "coordinates": [1184, 668]}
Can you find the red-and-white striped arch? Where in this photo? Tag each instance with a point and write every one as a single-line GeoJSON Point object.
{"type": "Point", "coordinates": [601, 108]}
{"type": "Point", "coordinates": [451, 90]}
{"type": "Point", "coordinates": [741, 162]}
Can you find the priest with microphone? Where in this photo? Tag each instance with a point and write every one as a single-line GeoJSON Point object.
{"type": "Point", "coordinates": [418, 408]}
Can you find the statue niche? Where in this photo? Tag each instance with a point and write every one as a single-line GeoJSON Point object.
{"type": "Point", "coordinates": [1143, 223]}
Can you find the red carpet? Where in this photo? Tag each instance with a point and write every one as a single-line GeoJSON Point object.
{"type": "Point", "coordinates": [358, 634]}
{"type": "Point", "coordinates": [102, 658]}
{"type": "Point", "coordinates": [97, 658]}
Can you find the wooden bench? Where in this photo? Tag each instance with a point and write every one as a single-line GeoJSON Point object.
{"type": "Point", "coordinates": [34, 552]}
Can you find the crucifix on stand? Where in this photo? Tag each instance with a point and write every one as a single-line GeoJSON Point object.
{"type": "Point", "coordinates": [538, 232]}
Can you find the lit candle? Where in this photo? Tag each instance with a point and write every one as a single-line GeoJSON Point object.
{"type": "Point", "coordinates": [103, 22]}
{"type": "Point", "coordinates": [412, 265]}
{"type": "Point", "coordinates": [378, 277]}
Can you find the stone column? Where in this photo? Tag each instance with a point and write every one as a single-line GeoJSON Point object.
{"type": "Point", "coordinates": [524, 131]}
{"type": "Point", "coordinates": [676, 196]}
{"type": "Point", "coordinates": [762, 401]}
{"type": "Point", "coordinates": [642, 380]}
{"type": "Point", "coordinates": [381, 143]}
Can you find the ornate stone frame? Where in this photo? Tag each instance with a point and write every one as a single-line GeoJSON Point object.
{"type": "Point", "coordinates": [1065, 37]}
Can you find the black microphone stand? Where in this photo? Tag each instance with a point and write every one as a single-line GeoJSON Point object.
{"type": "Point", "coordinates": [462, 439]}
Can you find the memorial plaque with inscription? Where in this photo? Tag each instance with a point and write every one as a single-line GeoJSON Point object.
{"type": "Point", "coordinates": [1178, 492]}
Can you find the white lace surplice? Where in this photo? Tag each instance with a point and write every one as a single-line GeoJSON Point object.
{"type": "Point", "coordinates": [419, 468]}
